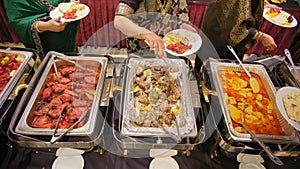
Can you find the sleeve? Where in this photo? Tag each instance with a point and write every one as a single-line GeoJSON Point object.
{"type": "Point", "coordinates": [244, 22]}
{"type": "Point", "coordinates": [183, 12]}
{"type": "Point", "coordinates": [126, 7]}
{"type": "Point", "coordinates": [22, 15]}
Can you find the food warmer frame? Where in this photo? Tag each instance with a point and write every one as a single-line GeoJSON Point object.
{"type": "Point", "coordinates": [225, 143]}
{"type": "Point", "coordinates": [31, 139]}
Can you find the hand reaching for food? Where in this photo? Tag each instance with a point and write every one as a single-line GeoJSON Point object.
{"type": "Point", "coordinates": [155, 43]}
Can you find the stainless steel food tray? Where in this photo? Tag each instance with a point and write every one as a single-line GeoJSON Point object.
{"type": "Point", "coordinates": [13, 81]}
{"type": "Point", "coordinates": [290, 134]}
{"type": "Point", "coordinates": [89, 127]}
{"type": "Point", "coordinates": [187, 129]}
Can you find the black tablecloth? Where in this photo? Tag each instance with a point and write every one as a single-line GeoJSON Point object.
{"type": "Point", "coordinates": [22, 158]}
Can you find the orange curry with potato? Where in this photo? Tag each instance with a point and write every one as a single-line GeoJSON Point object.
{"type": "Point", "coordinates": [258, 111]}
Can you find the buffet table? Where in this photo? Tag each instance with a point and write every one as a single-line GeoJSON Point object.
{"type": "Point", "coordinates": [16, 156]}
{"type": "Point", "coordinates": [110, 37]}
{"type": "Point", "coordinates": [30, 159]}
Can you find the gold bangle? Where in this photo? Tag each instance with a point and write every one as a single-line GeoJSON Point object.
{"type": "Point", "coordinates": [139, 35]}
{"type": "Point", "coordinates": [255, 35]}
{"type": "Point", "coordinates": [260, 35]}
{"type": "Point", "coordinates": [36, 28]}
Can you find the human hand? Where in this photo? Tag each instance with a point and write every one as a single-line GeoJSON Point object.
{"type": "Point", "coordinates": [188, 27]}
{"type": "Point", "coordinates": [268, 42]}
{"type": "Point", "coordinates": [55, 25]}
{"type": "Point", "coordinates": [277, 1]}
{"type": "Point", "coordinates": [75, 1]}
{"type": "Point", "coordinates": [156, 43]}
{"type": "Point", "coordinates": [272, 6]}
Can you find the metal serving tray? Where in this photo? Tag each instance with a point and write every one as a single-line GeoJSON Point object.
{"type": "Point", "coordinates": [14, 80]}
{"type": "Point", "coordinates": [187, 129]}
{"type": "Point", "coordinates": [89, 127]}
{"type": "Point", "coordinates": [290, 133]}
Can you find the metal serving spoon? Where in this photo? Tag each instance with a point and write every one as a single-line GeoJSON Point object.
{"type": "Point", "coordinates": [288, 55]}
{"type": "Point", "coordinates": [253, 81]}
{"type": "Point", "coordinates": [237, 116]}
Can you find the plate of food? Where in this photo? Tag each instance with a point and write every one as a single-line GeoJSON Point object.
{"type": "Point", "coordinates": [280, 17]}
{"type": "Point", "coordinates": [69, 11]}
{"type": "Point", "coordinates": [181, 42]}
{"type": "Point", "coordinates": [288, 103]}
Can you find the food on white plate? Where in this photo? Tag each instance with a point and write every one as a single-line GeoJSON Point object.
{"type": "Point", "coordinates": [292, 106]}
{"type": "Point", "coordinates": [178, 41]}
{"type": "Point", "coordinates": [279, 17]}
{"type": "Point", "coordinates": [71, 10]}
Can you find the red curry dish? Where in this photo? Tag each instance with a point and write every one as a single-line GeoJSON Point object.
{"type": "Point", "coordinates": [9, 63]}
{"type": "Point", "coordinates": [258, 111]}
{"type": "Point", "coordinates": [73, 96]}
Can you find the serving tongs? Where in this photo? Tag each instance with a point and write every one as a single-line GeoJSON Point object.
{"type": "Point", "coordinates": [63, 57]}
{"type": "Point", "coordinates": [175, 137]}
{"type": "Point", "coordinates": [167, 61]}
{"type": "Point", "coordinates": [56, 137]}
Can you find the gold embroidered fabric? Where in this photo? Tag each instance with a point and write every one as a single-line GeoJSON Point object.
{"type": "Point", "coordinates": [227, 21]}
{"type": "Point", "coordinates": [124, 9]}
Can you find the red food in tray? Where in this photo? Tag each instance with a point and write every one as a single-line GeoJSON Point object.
{"type": "Point", "coordinates": [72, 96]}
{"type": "Point", "coordinates": [8, 64]}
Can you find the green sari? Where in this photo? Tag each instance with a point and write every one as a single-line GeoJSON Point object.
{"type": "Point", "coordinates": [22, 15]}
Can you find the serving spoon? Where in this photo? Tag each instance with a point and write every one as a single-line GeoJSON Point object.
{"type": "Point", "coordinates": [253, 81]}
{"type": "Point", "coordinates": [237, 116]}
{"type": "Point", "coordinates": [288, 55]}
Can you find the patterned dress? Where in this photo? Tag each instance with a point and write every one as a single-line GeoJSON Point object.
{"type": "Point", "coordinates": [159, 16]}
{"type": "Point", "coordinates": [233, 22]}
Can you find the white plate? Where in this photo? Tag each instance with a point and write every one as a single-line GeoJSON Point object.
{"type": "Point", "coordinates": [249, 158]}
{"type": "Point", "coordinates": [154, 153]}
{"type": "Point", "coordinates": [68, 152]}
{"type": "Point", "coordinates": [281, 93]}
{"type": "Point", "coordinates": [251, 166]}
{"type": "Point", "coordinates": [293, 24]}
{"type": "Point", "coordinates": [68, 162]}
{"type": "Point", "coordinates": [163, 163]}
{"type": "Point", "coordinates": [80, 14]}
{"type": "Point", "coordinates": [195, 41]}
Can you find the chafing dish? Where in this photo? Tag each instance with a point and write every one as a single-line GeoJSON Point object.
{"type": "Point", "coordinates": [13, 90]}
{"type": "Point", "coordinates": [289, 133]}
{"type": "Point", "coordinates": [26, 58]}
{"type": "Point", "coordinates": [128, 142]}
{"type": "Point", "coordinates": [186, 118]}
{"type": "Point", "coordinates": [85, 136]}
{"type": "Point", "coordinates": [224, 141]}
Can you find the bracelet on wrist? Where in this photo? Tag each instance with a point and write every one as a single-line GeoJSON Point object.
{"type": "Point", "coordinates": [257, 35]}
{"type": "Point", "coordinates": [139, 34]}
{"type": "Point", "coordinates": [36, 28]}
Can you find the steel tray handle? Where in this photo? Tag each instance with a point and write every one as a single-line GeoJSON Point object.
{"type": "Point", "coordinates": [21, 85]}
{"type": "Point", "coordinates": [206, 92]}
{"type": "Point", "coordinates": [19, 88]}
{"type": "Point", "coordinates": [113, 88]}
